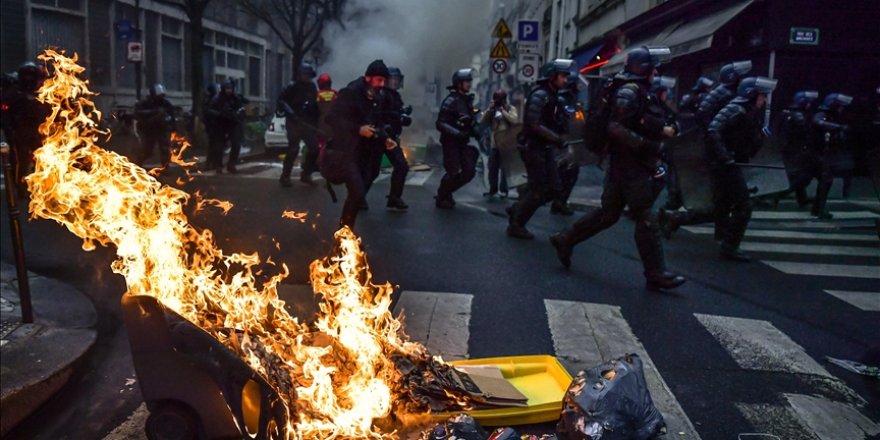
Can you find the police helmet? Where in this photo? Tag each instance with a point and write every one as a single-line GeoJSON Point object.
{"type": "Point", "coordinates": [228, 84]}
{"type": "Point", "coordinates": [395, 72]}
{"type": "Point", "coordinates": [306, 69]}
{"type": "Point", "coordinates": [325, 81]}
{"type": "Point", "coordinates": [157, 90]}
{"type": "Point", "coordinates": [213, 88]}
{"type": "Point", "coordinates": [559, 65]}
{"type": "Point", "coordinates": [753, 86]}
{"type": "Point", "coordinates": [730, 73]}
{"type": "Point", "coordinates": [663, 84]}
{"type": "Point", "coordinates": [704, 83]}
{"type": "Point", "coordinates": [499, 96]}
{"type": "Point", "coordinates": [804, 98]}
{"type": "Point", "coordinates": [31, 72]}
{"type": "Point", "coordinates": [462, 75]}
{"type": "Point", "coordinates": [641, 61]}
{"type": "Point", "coordinates": [836, 100]}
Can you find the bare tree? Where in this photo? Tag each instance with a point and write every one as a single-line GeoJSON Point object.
{"type": "Point", "coordinates": [195, 11]}
{"type": "Point", "coordinates": [298, 23]}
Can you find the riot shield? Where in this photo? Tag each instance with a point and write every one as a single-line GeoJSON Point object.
{"type": "Point", "coordinates": [511, 162]}
{"type": "Point", "coordinates": [688, 155]}
{"type": "Point", "coordinates": [766, 172]}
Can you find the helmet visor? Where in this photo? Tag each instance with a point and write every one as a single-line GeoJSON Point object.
{"type": "Point", "coordinates": [742, 67]}
{"type": "Point", "coordinates": [811, 95]}
{"type": "Point", "coordinates": [666, 82]}
{"type": "Point", "coordinates": [844, 100]}
{"type": "Point", "coordinates": [765, 85]}
{"type": "Point", "coordinates": [659, 55]}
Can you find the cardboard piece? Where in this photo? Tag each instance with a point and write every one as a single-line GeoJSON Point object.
{"type": "Point", "coordinates": [492, 386]}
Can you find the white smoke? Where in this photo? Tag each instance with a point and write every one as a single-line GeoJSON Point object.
{"type": "Point", "coordinates": [427, 39]}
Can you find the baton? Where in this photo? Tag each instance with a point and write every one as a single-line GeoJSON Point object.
{"type": "Point", "coordinates": [759, 165]}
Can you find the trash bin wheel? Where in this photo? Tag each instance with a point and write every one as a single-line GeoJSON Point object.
{"type": "Point", "coordinates": [172, 421]}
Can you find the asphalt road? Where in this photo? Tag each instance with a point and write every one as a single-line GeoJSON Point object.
{"type": "Point", "coordinates": [715, 341]}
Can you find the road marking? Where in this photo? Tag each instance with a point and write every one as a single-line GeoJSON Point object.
{"type": "Point", "coordinates": [439, 320]}
{"type": "Point", "coordinates": [133, 427]}
{"type": "Point", "coordinates": [419, 178]}
{"type": "Point", "coordinates": [774, 233]}
{"type": "Point", "coordinates": [797, 215]}
{"type": "Point", "coordinates": [586, 334]}
{"type": "Point", "coordinates": [772, 422]}
{"type": "Point", "coordinates": [758, 345]}
{"type": "Point", "coordinates": [831, 420]}
{"type": "Point", "coordinates": [869, 301]}
{"type": "Point", "coordinates": [811, 249]}
{"type": "Point", "coordinates": [826, 270]}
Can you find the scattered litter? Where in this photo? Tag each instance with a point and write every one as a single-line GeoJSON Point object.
{"type": "Point", "coordinates": [855, 367]}
{"type": "Point", "coordinates": [130, 381]}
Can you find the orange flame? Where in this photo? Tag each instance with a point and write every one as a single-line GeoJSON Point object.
{"type": "Point", "coordinates": [335, 376]}
{"type": "Point", "coordinates": [298, 216]}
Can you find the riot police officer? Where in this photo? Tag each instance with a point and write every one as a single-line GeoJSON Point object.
{"type": "Point", "coordinates": [543, 127]}
{"type": "Point", "coordinates": [346, 156]}
{"type": "Point", "coordinates": [457, 124]}
{"type": "Point", "coordinates": [210, 125]}
{"type": "Point", "coordinates": [394, 116]}
{"type": "Point", "coordinates": [634, 177]}
{"type": "Point", "coordinates": [227, 109]}
{"type": "Point", "coordinates": [155, 122]}
{"type": "Point", "coordinates": [659, 101]}
{"type": "Point", "coordinates": [829, 138]}
{"type": "Point", "coordinates": [801, 160]}
{"type": "Point", "coordinates": [298, 103]}
{"type": "Point", "coordinates": [24, 116]}
{"type": "Point", "coordinates": [721, 94]}
{"type": "Point", "coordinates": [691, 102]}
{"type": "Point", "coordinates": [568, 169]}
{"type": "Point", "coordinates": [733, 136]}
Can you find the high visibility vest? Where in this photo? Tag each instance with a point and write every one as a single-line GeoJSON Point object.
{"type": "Point", "coordinates": [326, 95]}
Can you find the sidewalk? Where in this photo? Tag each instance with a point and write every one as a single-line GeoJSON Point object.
{"type": "Point", "coordinates": [38, 359]}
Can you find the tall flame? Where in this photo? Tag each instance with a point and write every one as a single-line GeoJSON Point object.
{"type": "Point", "coordinates": [335, 376]}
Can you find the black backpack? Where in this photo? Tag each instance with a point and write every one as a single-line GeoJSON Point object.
{"type": "Point", "coordinates": [601, 92]}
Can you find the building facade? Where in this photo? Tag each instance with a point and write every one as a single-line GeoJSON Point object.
{"type": "Point", "coordinates": [236, 46]}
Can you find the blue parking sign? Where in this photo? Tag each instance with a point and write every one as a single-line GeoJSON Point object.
{"type": "Point", "coordinates": [528, 30]}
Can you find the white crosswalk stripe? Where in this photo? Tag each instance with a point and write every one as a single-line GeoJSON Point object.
{"type": "Point", "coordinates": [272, 170]}
{"type": "Point", "coordinates": [758, 345]}
{"type": "Point", "coordinates": [800, 215]}
{"type": "Point", "coordinates": [776, 233]}
{"type": "Point", "coordinates": [585, 334]}
{"type": "Point", "coordinates": [868, 301]}
{"type": "Point", "coordinates": [811, 249]}
{"type": "Point", "coordinates": [825, 270]}
{"type": "Point", "coordinates": [440, 321]}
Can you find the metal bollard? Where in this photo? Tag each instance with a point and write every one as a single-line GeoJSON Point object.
{"type": "Point", "coordinates": [24, 289]}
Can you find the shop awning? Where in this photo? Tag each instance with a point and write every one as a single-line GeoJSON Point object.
{"type": "Point", "coordinates": [587, 56]}
{"type": "Point", "coordinates": [683, 37]}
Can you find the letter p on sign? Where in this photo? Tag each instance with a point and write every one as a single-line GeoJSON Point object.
{"type": "Point", "coordinates": [528, 30]}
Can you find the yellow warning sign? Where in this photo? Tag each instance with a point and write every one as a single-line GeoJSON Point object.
{"type": "Point", "coordinates": [502, 30]}
{"type": "Point", "coordinates": [500, 50]}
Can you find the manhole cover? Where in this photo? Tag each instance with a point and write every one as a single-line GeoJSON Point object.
{"type": "Point", "coordinates": [7, 327]}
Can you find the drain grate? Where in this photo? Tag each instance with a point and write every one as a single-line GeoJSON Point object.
{"type": "Point", "coordinates": [7, 327]}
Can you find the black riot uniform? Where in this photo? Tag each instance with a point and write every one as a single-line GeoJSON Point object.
{"type": "Point", "coordinates": [721, 94]}
{"type": "Point", "coordinates": [346, 156]}
{"type": "Point", "coordinates": [457, 124]}
{"type": "Point", "coordinates": [733, 136]}
{"type": "Point", "coordinates": [568, 171]}
{"type": "Point", "coordinates": [155, 122]}
{"type": "Point", "coordinates": [802, 163]}
{"type": "Point", "coordinates": [210, 125]}
{"type": "Point", "coordinates": [632, 179]}
{"type": "Point", "coordinates": [391, 118]}
{"type": "Point", "coordinates": [227, 110]}
{"type": "Point", "coordinates": [829, 140]}
{"type": "Point", "coordinates": [541, 137]}
{"type": "Point", "coordinates": [23, 115]}
{"type": "Point", "coordinates": [657, 104]}
{"type": "Point", "coordinates": [690, 102]}
{"type": "Point", "coordinates": [298, 103]}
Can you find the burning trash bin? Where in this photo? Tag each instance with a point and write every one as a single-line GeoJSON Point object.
{"type": "Point", "coordinates": [194, 387]}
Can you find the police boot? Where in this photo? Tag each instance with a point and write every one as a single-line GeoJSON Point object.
{"type": "Point", "coordinates": [396, 203]}
{"type": "Point", "coordinates": [821, 199]}
{"type": "Point", "coordinates": [732, 253]}
{"type": "Point", "coordinates": [444, 201]}
{"type": "Point", "coordinates": [560, 208]}
{"type": "Point", "coordinates": [661, 281]}
{"type": "Point", "coordinates": [668, 222]}
{"type": "Point", "coordinates": [564, 248]}
{"type": "Point", "coordinates": [285, 181]}
{"type": "Point", "coordinates": [305, 177]}
{"type": "Point", "coordinates": [514, 228]}
{"type": "Point", "coordinates": [231, 169]}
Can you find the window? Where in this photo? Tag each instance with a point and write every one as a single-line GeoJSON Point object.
{"type": "Point", "coordinates": [71, 5]}
{"type": "Point", "coordinates": [220, 58]}
{"type": "Point", "coordinates": [172, 58]}
{"type": "Point", "coordinates": [57, 29]}
{"type": "Point", "coordinates": [254, 76]}
{"type": "Point", "coordinates": [235, 61]}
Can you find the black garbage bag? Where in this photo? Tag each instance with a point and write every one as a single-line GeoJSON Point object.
{"type": "Point", "coordinates": [610, 402]}
{"type": "Point", "coordinates": [460, 426]}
